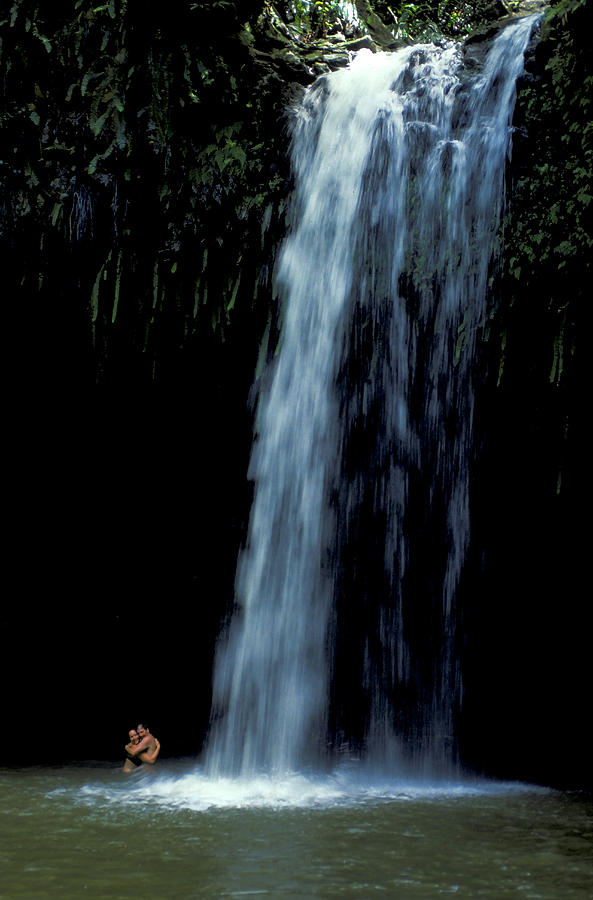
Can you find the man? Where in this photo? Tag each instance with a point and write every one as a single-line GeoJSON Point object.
{"type": "Point", "coordinates": [142, 748]}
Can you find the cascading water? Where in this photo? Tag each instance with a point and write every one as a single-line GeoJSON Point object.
{"type": "Point", "coordinates": [346, 625]}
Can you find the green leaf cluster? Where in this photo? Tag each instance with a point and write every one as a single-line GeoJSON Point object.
{"type": "Point", "coordinates": [540, 320]}
{"type": "Point", "coordinates": [135, 149]}
{"type": "Point", "coordinates": [549, 231]}
{"type": "Point", "coordinates": [429, 19]}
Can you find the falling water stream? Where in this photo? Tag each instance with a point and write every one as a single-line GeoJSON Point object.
{"type": "Point", "coordinates": [365, 415]}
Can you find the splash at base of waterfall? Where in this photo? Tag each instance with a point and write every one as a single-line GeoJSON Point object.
{"type": "Point", "coordinates": [183, 786]}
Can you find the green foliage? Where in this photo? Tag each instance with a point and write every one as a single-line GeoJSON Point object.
{"type": "Point", "coordinates": [563, 9]}
{"type": "Point", "coordinates": [315, 16]}
{"type": "Point", "coordinates": [548, 230]}
{"type": "Point", "coordinates": [137, 149]}
{"type": "Point", "coordinates": [402, 19]}
{"type": "Point", "coordinates": [313, 19]}
{"type": "Point", "coordinates": [142, 157]}
{"type": "Point", "coordinates": [553, 202]}
{"type": "Point", "coordinates": [322, 14]}
{"type": "Point", "coordinates": [426, 19]}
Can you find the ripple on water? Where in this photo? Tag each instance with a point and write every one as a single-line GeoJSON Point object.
{"type": "Point", "coordinates": [178, 834]}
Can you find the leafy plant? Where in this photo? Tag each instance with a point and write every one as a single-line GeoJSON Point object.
{"type": "Point", "coordinates": [548, 234]}
{"type": "Point", "coordinates": [135, 151]}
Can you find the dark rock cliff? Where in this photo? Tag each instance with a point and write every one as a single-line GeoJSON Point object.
{"type": "Point", "coordinates": [144, 181]}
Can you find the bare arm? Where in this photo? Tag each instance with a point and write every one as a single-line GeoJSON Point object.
{"type": "Point", "coordinates": [140, 747]}
{"type": "Point", "coordinates": [150, 756]}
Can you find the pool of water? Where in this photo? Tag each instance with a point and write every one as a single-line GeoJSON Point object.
{"type": "Point", "coordinates": [88, 831]}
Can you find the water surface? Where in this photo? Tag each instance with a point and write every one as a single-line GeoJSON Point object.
{"type": "Point", "coordinates": [88, 831]}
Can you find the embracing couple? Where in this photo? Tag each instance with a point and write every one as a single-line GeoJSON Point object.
{"type": "Point", "coordinates": [142, 748]}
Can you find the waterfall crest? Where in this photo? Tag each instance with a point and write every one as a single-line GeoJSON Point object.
{"type": "Point", "coordinates": [364, 434]}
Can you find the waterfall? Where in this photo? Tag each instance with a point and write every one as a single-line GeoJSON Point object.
{"type": "Point", "coordinates": [346, 626]}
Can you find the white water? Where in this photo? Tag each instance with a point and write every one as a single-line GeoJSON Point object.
{"type": "Point", "coordinates": [182, 786]}
{"type": "Point", "coordinates": [399, 172]}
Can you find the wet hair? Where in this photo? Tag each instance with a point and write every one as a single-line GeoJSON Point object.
{"type": "Point", "coordinates": [144, 727]}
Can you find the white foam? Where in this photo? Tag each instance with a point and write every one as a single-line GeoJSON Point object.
{"type": "Point", "coordinates": [193, 790]}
